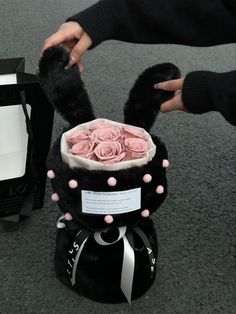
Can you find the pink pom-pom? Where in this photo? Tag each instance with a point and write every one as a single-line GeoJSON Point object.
{"type": "Point", "coordinates": [108, 219]}
{"type": "Point", "coordinates": [147, 178]}
{"type": "Point", "coordinates": [51, 174]}
{"type": "Point", "coordinates": [73, 184]}
{"type": "Point", "coordinates": [159, 189]}
{"type": "Point", "coordinates": [165, 163]}
{"type": "Point", "coordinates": [55, 197]}
{"type": "Point", "coordinates": [112, 181]}
{"type": "Point", "coordinates": [68, 217]}
{"type": "Point", "coordinates": [145, 213]}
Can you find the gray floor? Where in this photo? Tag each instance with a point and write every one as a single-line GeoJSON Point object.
{"type": "Point", "coordinates": [196, 224]}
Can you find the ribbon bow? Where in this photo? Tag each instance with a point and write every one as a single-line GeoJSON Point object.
{"type": "Point", "coordinates": [128, 264]}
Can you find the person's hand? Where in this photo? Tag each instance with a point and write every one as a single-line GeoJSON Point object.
{"type": "Point", "coordinates": [176, 102]}
{"type": "Point", "coordinates": [73, 38]}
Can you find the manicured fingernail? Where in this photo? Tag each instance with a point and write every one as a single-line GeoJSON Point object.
{"type": "Point", "coordinates": [71, 63]}
{"type": "Point", "coordinates": [158, 86]}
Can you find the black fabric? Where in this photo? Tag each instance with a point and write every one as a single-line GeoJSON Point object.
{"type": "Point", "coordinates": [197, 23]}
{"type": "Point", "coordinates": [67, 91]}
{"type": "Point", "coordinates": [99, 268]}
{"type": "Point", "coordinates": [143, 104]}
{"type": "Point", "coordinates": [205, 91]}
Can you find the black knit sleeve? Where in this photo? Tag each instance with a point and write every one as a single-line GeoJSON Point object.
{"type": "Point", "coordinates": [205, 91]}
{"type": "Point", "coordinates": [188, 22]}
{"type": "Point", "coordinates": [100, 20]}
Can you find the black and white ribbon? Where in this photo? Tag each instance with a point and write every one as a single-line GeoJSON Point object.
{"type": "Point", "coordinates": [128, 264]}
{"type": "Point", "coordinates": [127, 273]}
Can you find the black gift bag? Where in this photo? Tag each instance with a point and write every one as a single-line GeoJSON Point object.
{"type": "Point", "coordinates": [26, 120]}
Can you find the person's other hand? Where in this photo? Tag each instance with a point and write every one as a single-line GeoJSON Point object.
{"type": "Point", "coordinates": [73, 38]}
{"type": "Point", "coordinates": [176, 102]}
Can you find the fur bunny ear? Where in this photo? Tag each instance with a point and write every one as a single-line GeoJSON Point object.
{"type": "Point", "coordinates": [64, 87]}
{"type": "Point", "coordinates": [144, 101]}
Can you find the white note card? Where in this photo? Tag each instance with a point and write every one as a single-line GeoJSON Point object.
{"type": "Point", "coordinates": [117, 202]}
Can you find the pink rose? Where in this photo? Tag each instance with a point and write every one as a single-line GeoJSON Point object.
{"type": "Point", "coordinates": [129, 131]}
{"type": "Point", "coordinates": [135, 148]}
{"type": "Point", "coordinates": [109, 152]}
{"type": "Point", "coordinates": [78, 136]}
{"type": "Point", "coordinates": [83, 149]}
{"type": "Point", "coordinates": [101, 125]}
{"type": "Point", "coordinates": [111, 133]}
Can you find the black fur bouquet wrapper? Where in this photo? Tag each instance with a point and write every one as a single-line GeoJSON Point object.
{"type": "Point", "coordinates": [110, 266]}
{"type": "Point", "coordinates": [106, 193]}
{"type": "Point", "coordinates": [144, 185]}
{"type": "Point", "coordinates": [116, 193]}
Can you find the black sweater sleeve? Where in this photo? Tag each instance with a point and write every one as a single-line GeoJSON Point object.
{"type": "Point", "coordinates": [205, 91]}
{"type": "Point", "coordinates": [189, 22]}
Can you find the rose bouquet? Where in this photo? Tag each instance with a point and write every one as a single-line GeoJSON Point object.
{"type": "Point", "coordinates": [107, 179]}
{"type": "Point", "coordinates": [107, 145]}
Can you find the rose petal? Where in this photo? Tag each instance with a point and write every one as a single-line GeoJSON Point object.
{"type": "Point", "coordinates": [78, 136]}
{"type": "Point", "coordinates": [109, 152]}
{"type": "Point", "coordinates": [106, 134]}
{"type": "Point", "coordinates": [135, 147]}
{"type": "Point", "coordinates": [83, 148]}
{"type": "Point", "coordinates": [129, 131]}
